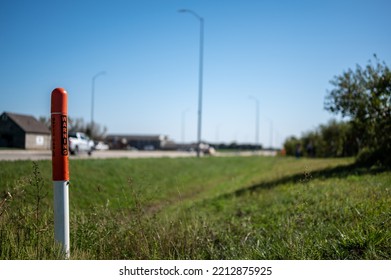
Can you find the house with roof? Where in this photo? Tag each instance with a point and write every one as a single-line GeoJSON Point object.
{"type": "Point", "coordinates": [23, 132]}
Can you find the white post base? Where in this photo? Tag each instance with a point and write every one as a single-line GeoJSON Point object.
{"type": "Point", "coordinates": [61, 215]}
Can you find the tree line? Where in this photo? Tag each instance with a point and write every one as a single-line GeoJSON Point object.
{"type": "Point", "coordinates": [95, 131]}
{"type": "Point", "coordinates": [334, 139]}
{"type": "Point", "coordinates": [363, 96]}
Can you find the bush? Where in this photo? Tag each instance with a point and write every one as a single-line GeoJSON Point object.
{"type": "Point", "coordinates": [334, 139]}
{"type": "Point", "coordinates": [373, 157]}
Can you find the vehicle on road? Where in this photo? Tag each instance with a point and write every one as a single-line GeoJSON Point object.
{"type": "Point", "coordinates": [101, 146]}
{"type": "Point", "coordinates": [207, 149]}
{"type": "Point", "coordinates": [79, 142]}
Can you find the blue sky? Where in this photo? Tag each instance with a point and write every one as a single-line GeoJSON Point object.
{"type": "Point", "coordinates": [284, 53]}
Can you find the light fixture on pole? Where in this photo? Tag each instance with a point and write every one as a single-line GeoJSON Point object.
{"type": "Point", "coordinates": [199, 77]}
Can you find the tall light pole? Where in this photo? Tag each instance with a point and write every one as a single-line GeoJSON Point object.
{"type": "Point", "coordinates": [199, 76]}
{"type": "Point", "coordinates": [92, 98]}
{"type": "Point", "coordinates": [256, 119]}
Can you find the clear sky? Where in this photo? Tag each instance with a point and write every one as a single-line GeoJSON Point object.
{"type": "Point", "coordinates": [283, 53]}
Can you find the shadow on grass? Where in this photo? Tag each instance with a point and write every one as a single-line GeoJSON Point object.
{"type": "Point", "coordinates": [322, 174]}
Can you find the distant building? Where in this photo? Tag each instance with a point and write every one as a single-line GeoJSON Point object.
{"type": "Point", "coordinates": [24, 132]}
{"type": "Point", "coordinates": [139, 142]}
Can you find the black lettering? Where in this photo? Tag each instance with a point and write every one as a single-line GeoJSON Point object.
{"type": "Point", "coordinates": [64, 135]}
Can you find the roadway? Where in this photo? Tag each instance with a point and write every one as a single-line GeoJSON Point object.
{"type": "Point", "coordinates": [12, 155]}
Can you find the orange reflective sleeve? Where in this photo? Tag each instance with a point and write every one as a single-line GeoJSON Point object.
{"type": "Point", "coordinates": [59, 125]}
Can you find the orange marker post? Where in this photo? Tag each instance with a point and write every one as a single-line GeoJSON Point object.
{"type": "Point", "coordinates": [60, 167]}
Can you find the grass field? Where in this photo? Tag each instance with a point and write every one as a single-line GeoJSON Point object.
{"type": "Point", "coordinates": [208, 208]}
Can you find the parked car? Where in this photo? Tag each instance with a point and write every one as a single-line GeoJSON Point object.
{"type": "Point", "coordinates": [101, 146]}
{"type": "Point", "coordinates": [209, 151]}
{"type": "Point", "coordinates": [79, 142]}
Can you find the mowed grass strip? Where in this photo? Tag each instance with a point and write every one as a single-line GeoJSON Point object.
{"type": "Point", "coordinates": [208, 208]}
{"type": "Point", "coordinates": [344, 217]}
{"type": "Point", "coordinates": [98, 182]}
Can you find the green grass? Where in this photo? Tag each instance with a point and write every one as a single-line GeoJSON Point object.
{"type": "Point", "coordinates": [208, 208]}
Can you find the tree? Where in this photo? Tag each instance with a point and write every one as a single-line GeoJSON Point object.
{"type": "Point", "coordinates": [291, 146]}
{"type": "Point", "coordinates": [97, 133]}
{"type": "Point", "coordinates": [364, 95]}
{"type": "Point", "coordinates": [338, 139]}
{"type": "Point", "coordinates": [78, 125]}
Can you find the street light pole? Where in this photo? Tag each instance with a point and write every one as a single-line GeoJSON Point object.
{"type": "Point", "coordinates": [256, 119]}
{"type": "Point", "coordinates": [200, 74]}
{"type": "Point", "coordinates": [92, 98]}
